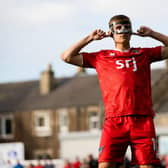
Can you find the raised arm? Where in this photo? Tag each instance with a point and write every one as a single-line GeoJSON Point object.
{"type": "Point", "coordinates": [146, 31]}
{"type": "Point", "coordinates": [72, 54]}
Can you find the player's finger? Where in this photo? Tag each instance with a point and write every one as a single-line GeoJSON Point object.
{"type": "Point", "coordinates": [101, 32]}
{"type": "Point", "coordinates": [135, 33]}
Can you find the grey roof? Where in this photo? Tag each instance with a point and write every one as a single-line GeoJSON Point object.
{"type": "Point", "coordinates": [70, 91]}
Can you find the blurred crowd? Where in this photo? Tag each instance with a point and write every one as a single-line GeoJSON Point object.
{"type": "Point", "coordinates": [9, 164]}
{"type": "Point", "coordinates": [88, 162]}
{"type": "Point", "coordinates": [91, 162]}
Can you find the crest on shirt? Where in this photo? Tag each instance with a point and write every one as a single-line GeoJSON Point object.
{"type": "Point", "coordinates": [135, 51]}
{"type": "Point", "coordinates": [112, 54]}
{"type": "Point", "coordinates": [101, 149]}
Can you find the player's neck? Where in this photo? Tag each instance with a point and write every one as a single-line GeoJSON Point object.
{"type": "Point", "coordinates": [121, 47]}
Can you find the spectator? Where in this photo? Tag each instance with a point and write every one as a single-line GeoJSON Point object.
{"type": "Point", "coordinates": [93, 163]}
{"type": "Point", "coordinates": [18, 165]}
{"type": "Point", "coordinates": [76, 163]}
{"type": "Point", "coordinates": [126, 162]}
{"type": "Point", "coordinates": [49, 164]}
{"type": "Point", "coordinates": [67, 164]}
{"type": "Point", "coordinates": [166, 161]}
{"type": "Point", "coordinates": [30, 165]}
{"type": "Point", "coordinates": [162, 159]}
{"type": "Point", "coordinates": [85, 164]}
{"type": "Point", "coordinates": [39, 165]}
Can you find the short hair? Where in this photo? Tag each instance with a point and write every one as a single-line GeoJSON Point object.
{"type": "Point", "coordinates": [119, 18]}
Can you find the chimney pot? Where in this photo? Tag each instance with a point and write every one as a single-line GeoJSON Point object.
{"type": "Point", "coordinates": [47, 80]}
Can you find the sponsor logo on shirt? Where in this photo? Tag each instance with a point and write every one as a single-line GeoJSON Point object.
{"type": "Point", "coordinates": [112, 54]}
{"type": "Point", "coordinates": [127, 64]}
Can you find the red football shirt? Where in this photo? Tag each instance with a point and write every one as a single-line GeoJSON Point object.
{"type": "Point", "coordinates": [124, 79]}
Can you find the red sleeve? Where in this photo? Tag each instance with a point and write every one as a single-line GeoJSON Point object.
{"type": "Point", "coordinates": [89, 59]}
{"type": "Point", "coordinates": [155, 54]}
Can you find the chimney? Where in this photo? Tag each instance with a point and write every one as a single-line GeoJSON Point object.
{"type": "Point", "coordinates": [80, 71]}
{"type": "Point", "coordinates": [47, 80]}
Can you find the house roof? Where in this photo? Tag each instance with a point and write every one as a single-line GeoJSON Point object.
{"type": "Point", "coordinates": [70, 91]}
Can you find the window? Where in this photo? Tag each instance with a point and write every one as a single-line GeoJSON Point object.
{"type": "Point", "coordinates": [163, 144]}
{"type": "Point", "coordinates": [93, 121]}
{"type": "Point", "coordinates": [63, 120]}
{"type": "Point", "coordinates": [42, 123]}
{"type": "Point", "coordinates": [6, 126]}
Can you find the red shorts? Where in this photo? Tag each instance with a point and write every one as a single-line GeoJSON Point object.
{"type": "Point", "coordinates": [136, 131]}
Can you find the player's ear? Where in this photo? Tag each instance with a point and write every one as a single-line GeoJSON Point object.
{"type": "Point", "coordinates": [110, 33]}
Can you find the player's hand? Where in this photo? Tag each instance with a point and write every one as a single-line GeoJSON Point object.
{"type": "Point", "coordinates": [144, 31]}
{"type": "Point", "coordinates": [99, 34]}
{"type": "Point", "coordinates": [109, 34]}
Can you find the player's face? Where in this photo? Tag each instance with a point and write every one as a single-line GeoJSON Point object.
{"type": "Point", "coordinates": [121, 38]}
{"type": "Point", "coordinates": [121, 27]}
{"type": "Point", "coordinates": [121, 31]}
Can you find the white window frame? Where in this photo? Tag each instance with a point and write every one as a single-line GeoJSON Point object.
{"type": "Point", "coordinates": [63, 120]}
{"type": "Point", "coordinates": [163, 142]}
{"type": "Point", "coordinates": [3, 119]}
{"type": "Point", "coordinates": [42, 130]}
{"type": "Point", "coordinates": [92, 120]}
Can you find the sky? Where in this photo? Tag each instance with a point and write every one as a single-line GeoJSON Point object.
{"type": "Point", "coordinates": [34, 33]}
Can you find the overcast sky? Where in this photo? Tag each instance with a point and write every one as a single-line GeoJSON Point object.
{"type": "Point", "coordinates": [33, 33]}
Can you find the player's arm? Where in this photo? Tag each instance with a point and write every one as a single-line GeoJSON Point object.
{"type": "Point", "coordinates": [72, 54]}
{"type": "Point", "coordinates": [164, 39]}
{"type": "Point", "coordinates": [146, 31]}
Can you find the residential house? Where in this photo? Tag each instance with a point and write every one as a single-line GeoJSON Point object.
{"type": "Point", "coordinates": [50, 113]}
